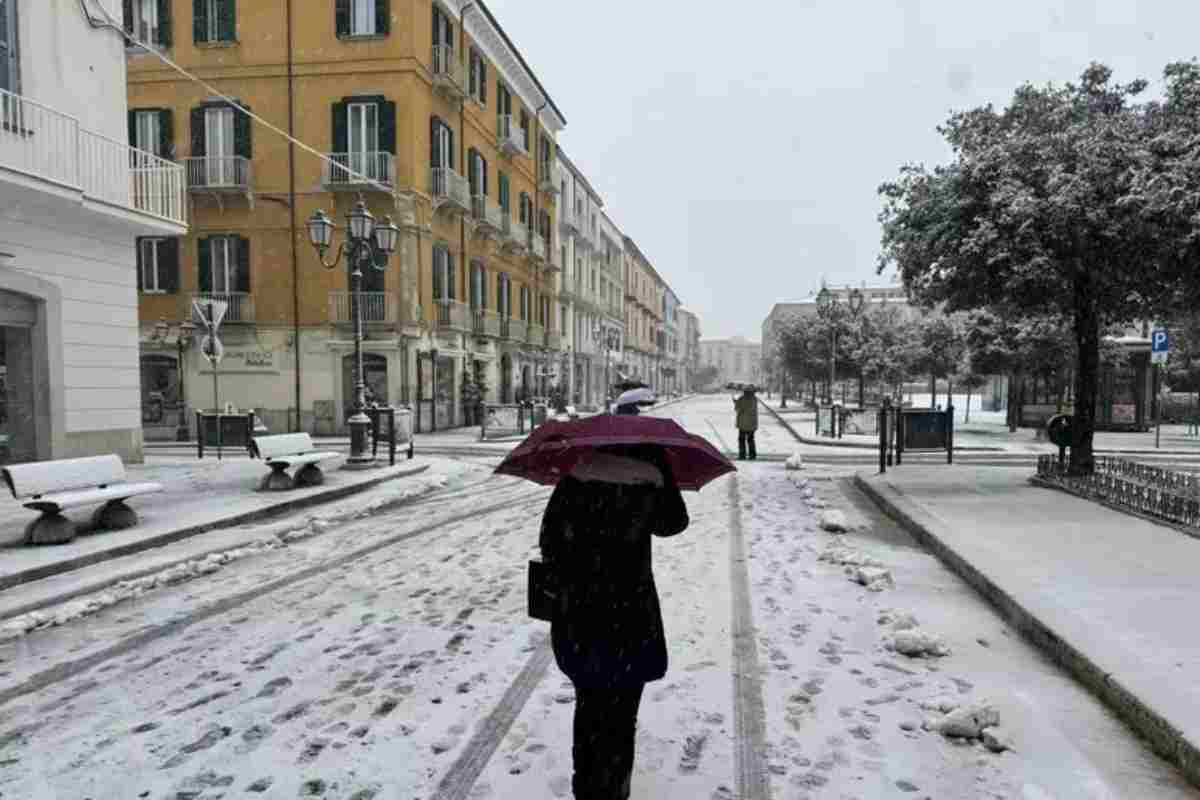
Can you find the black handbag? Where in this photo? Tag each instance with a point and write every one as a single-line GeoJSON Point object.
{"type": "Point", "coordinates": [545, 591]}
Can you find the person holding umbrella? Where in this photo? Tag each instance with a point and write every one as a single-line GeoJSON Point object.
{"type": "Point", "coordinates": [746, 407]}
{"type": "Point", "coordinates": [617, 483]}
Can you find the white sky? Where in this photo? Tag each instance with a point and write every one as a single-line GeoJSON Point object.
{"type": "Point", "coordinates": [742, 150]}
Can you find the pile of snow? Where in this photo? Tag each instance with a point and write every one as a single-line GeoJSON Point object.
{"type": "Point", "coordinates": [834, 521]}
{"type": "Point", "coordinates": [794, 462]}
{"type": "Point", "coordinates": [977, 721]}
{"type": "Point", "coordinates": [899, 620]}
{"type": "Point", "coordinates": [915, 643]}
{"type": "Point", "coordinates": [840, 554]}
{"type": "Point", "coordinates": [874, 578]}
{"type": "Point", "coordinates": [799, 481]}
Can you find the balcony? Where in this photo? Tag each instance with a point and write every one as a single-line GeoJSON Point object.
{"type": "Point", "coordinates": [378, 308]}
{"type": "Point", "coordinates": [514, 236]}
{"type": "Point", "coordinates": [513, 329]}
{"type": "Point", "coordinates": [553, 340]}
{"type": "Point", "coordinates": [240, 306]}
{"type": "Point", "coordinates": [359, 171]}
{"type": "Point", "coordinates": [452, 315]}
{"type": "Point", "coordinates": [489, 219]}
{"type": "Point", "coordinates": [43, 143]}
{"type": "Point", "coordinates": [450, 190]}
{"type": "Point", "coordinates": [537, 248]}
{"type": "Point", "coordinates": [510, 136]}
{"type": "Point", "coordinates": [535, 334]}
{"type": "Point", "coordinates": [567, 220]}
{"type": "Point", "coordinates": [219, 174]}
{"type": "Point", "coordinates": [485, 324]}
{"type": "Point", "coordinates": [448, 75]}
{"type": "Point", "coordinates": [548, 185]}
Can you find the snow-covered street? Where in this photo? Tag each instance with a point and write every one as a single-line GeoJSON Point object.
{"type": "Point", "coordinates": [390, 655]}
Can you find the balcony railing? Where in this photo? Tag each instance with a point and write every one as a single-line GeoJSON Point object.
{"type": "Point", "coordinates": [448, 71]}
{"type": "Point", "coordinates": [515, 235]}
{"type": "Point", "coordinates": [509, 135]}
{"type": "Point", "coordinates": [220, 173]}
{"type": "Point", "coordinates": [449, 189]}
{"type": "Point", "coordinates": [535, 334]}
{"type": "Point", "coordinates": [356, 171]}
{"type": "Point", "coordinates": [37, 140]}
{"type": "Point", "coordinates": [452, 315]}
{"type": "Point", "coordinates": [487, 215]}
{"type": "Point", "coordinates": [485, 323]}
{"type": "Point", "coordinates": [553, 340]}
{"type": "Point", "coordinates": [377, 308]}
{"type": "Point", "coordinates": [240, 305]}
{"type": "Point", "coordinates": [517, 329]}
{"type": "Point", "coordinates": [567, 219]}
{"type": "Point", "coordinates": [537, 247]}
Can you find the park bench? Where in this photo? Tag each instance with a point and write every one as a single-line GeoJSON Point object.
{"type": "Point", "coordinates": [285, 451]}
{"type": "Point", "coordinates": [51, 487]}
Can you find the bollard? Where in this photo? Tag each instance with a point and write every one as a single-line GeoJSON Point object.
{"type": "Point", "coordinates": [949, 433]}
{"type": "Point", "coordinates": [883, 436]}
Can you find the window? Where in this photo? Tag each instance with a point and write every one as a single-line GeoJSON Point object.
{"type": "Point", "coordinates": [224, 265]}
{"type": "Point", "coordinates": [478, 77]}
{"type": "Point", "coordinates": [158, 265]}
{"type": "Point", "coordinates": [525, 303]}
{"type": "Point", "coordinates": [562, 318]}
{"type": "Point", "coordinates": [364, 128]}
{"type": "Point", "coordinates": [9, 52]}
{"type": "Point", "coordinates": [443, 274]}
{"type": "Point", "coordinates": [503, 295]}
{"type": "Point", "coordinates": [441, 153]}
{"type": "Point", "coordinates": [363, 17]}
{"type": "Point", "coordinates": [147, 20]}
{"type": "Point", "coordinates": [477, 173]}
{"type": "Point", "coordinates": [503, 100]}
{"type": "Point", "coordinates": [443, 29]}
{"type": "Point", "coordinates": [478, 286]}
{"type": "Point", "coordinates": [219, 135]}
{"type": "Point", "coordinates": [214, 21]}
{"type": "Point", "coordinates": [525, 130]}
{"type": "Point", "coordinates": [526, 209]}
{"type": "Point", "coordinates": [546, 156]}
{"type": "Point", "coordinates": [150, 131]}
{"type": "Point", "coordinates": [504, 194]}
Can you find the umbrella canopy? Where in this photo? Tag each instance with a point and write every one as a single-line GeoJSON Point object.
{"type": "Point", "coordinates": [641, 396]}
{"type": "Point", "coordinates": [627, 384]}
{"type": "Point", "coordinates": [555, 448]}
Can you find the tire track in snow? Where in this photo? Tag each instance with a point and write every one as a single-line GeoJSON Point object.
{"type": "Point", "coordinates": [69, 669]}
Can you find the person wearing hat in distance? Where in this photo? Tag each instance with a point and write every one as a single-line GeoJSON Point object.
{"type": "Point", "coordinates": [607, 629]}
{"type": "Point", "coordinates": [746, 407]}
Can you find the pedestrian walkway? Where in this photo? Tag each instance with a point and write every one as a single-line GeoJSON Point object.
{"type": "Point", "coordinates": [1109, 596]}
{"type": "Point", "coordinates": [198, 496]}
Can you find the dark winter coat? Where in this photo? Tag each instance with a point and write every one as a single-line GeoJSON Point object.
{"type": "Point", "coordinates": [608, 631]}
{"type": "Point", "coordinates": [747, 412]}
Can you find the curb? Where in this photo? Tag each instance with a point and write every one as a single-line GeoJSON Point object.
{"type": "Point", "coordinates": [257, 515]}
{"type": "Point", "coordinates": [1164, 738]}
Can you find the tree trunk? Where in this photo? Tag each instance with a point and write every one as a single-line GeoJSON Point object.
{"type": "Point", "coordinates": [967, 417]}
{"type": "Point", "coordinates": [932, 390]}
{"type": "Point", "coordinates": [1014, 395]}
{"type": "Point", "coordinates": [860, 391]}
{"type": "Point", "coordinates": [1087, 338]}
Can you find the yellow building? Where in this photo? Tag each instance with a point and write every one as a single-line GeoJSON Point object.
{"type": "Point", "coordinates": [434, 120]}
{"type": "Point", "coordinates": [644, 292]}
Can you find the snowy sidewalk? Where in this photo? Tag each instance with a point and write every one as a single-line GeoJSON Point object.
{"type": "Point", "coordinates": [199, 496]}
{"type": "Point", "coordinates": [1107, 595]}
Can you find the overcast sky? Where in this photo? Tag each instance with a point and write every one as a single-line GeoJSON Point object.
{"type": "Point", "coordinates": [742, 151]}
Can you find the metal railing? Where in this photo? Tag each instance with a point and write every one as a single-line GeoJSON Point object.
{"type": "Point", "coordinates": [220, 172]}
{"type": "Point", "coordinates": [515, 233]}
{"type": "Point", "coordinates": [447, 185]}
{"type": "Point", "coordinates": [448, 70]}
{"type": "Point", "coordinates": [355, 169]}
{"type": "Point", "coordinates": [240, 308]}
{"type": "Point", "coordinates": [485, 323]}
{"type": "Point", "coordinates": [517, 329]}
{"type": "Point", "coordinates": [509, 134]}
{"type": "Point", "coordinates": [37, 140]}
{"type": "Point", "coordinates": [452, 314]}
{"type": "Point", "coordinates": [377, 307]}
{"type": "Point", "coordinates": [1140, 488]}
{"type": "Point", "coordinates": [505, 327]}
{"type": "Point", "coordinates": [487, 212]}
{"type": "Point", "coordinates": [535, 334]}
{"type": "Point", "coordinates": [553, 339]}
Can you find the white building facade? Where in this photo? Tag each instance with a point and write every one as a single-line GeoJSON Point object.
{"type": "Point", "coordinates": [73, 199]}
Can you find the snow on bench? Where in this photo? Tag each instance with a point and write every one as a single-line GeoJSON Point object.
{"type": "Point", "coordinates": [54, 486]}
{"type": "Point", "coordinates": [286, 450]}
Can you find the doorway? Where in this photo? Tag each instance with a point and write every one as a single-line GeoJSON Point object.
{"type": "Point", "coordinates": [375, 377]}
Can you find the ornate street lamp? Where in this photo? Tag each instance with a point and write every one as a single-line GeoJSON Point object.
{"type": "Point", "coordinates": [368, 244]}
{"type": "Point", "coordinates": [827, 309]}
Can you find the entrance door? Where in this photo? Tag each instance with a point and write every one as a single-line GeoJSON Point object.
{"type": "Point", "coordinates": [506, 378]}
{"type": "Point", "coordinates": [161, 410]}
{"type": "Point", "coordinates": [218, 145]}
{"type": "Point", "coordinates": [18, 400]}
{"type": "Point", "coordinates": [375, 376]}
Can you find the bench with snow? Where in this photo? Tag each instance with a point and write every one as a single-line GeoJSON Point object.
{"type": "Point", "coordinates": [286, 450]}
{"type": "Point", "coordinates": [51, 487]}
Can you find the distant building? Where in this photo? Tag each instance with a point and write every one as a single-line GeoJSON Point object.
{"type": "Point", "coordinates": [736, 359]}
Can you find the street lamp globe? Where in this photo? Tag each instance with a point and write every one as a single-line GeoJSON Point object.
{"type": "Point", "coordinates": [320, 230]}
{"type": "Point", "coordinates": [361, 222]}
{"type": "Point", "coordinates": [856, 301]}
{"type": "Point", "coordinates": [387, 235]}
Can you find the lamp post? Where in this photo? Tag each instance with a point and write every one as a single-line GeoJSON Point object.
{"type": "Point", "coordinates": [830, 310]}
{"type": "Point", "coordinates": [606, 338]}
{"type": "Point", "coordinates": [367, 245]}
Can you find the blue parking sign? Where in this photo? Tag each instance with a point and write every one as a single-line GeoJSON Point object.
{"type": "Point", "coordinates": [1159, 347]}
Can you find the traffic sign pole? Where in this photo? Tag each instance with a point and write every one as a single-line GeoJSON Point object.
{"type": "Point", "coordinates": [1160, 345]}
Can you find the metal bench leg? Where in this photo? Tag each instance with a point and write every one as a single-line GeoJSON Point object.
{"type": "Point", "coordinates": [114, 516]}
{"type": "Point", "coordinates": [277, 480]}
{"type": "Point", "coordinates": [310, 475]}
{"type": "Point", "coordinates": [50, 528]}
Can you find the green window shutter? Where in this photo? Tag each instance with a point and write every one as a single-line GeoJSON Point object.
{"type": "Point", "coordinates": [387, 126]}
{"type": "Point", "coordinates": [168, 264]}
{"type": "Point", "coordinates": [504, 192]}
{"type": "Point", "coordinates": [450, 269]}
{"type": "Point", "coordinates": [131, 122]}
{"type": "Point", "coordinates": [127, 13]}
{"type": "Point", "coordinates": [166, 133]}
{"type": "Point", "coordinates": [164, 23]}
{"type": "Point", "coordinates": [450, 136]}
{"type": "Point", "coordinates": [484, 171]}
{"type": "Point", "coordinates": [200, 21]}
{"type": "Point", "coordinates": [433, 143]}
{"type": "Point", "coordinates": [204, 256]}
{"type": "Point", "coordinates": [228, 27]}
{"type": "Point", "coordinates": [383, 17]}
{"type": "Point", "coordinates": [482, 81]}
{"type": "Point", "coordinates": [342, 17]}
{"type": "Point", "coordinates": [198, 141]}
{"type": "Point", "coordinates": [438, 273]}
{"type": "Point", "coordinates": [340, 139]}
{"type": "Point", "coordinates": [138, 246]}
{"type": "Point", "coordinates": [243, 264]}
{"type": "Point", "coordinates": [243, 144]}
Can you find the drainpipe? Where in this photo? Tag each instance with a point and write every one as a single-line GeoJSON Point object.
{"type": "Point", "coordinates": [462, 146]}
{"type": "Point", "coordinates": [292, 213]}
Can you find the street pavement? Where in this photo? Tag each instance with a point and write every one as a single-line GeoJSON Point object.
{"type": "Point", "coordinates": [389, 655]}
